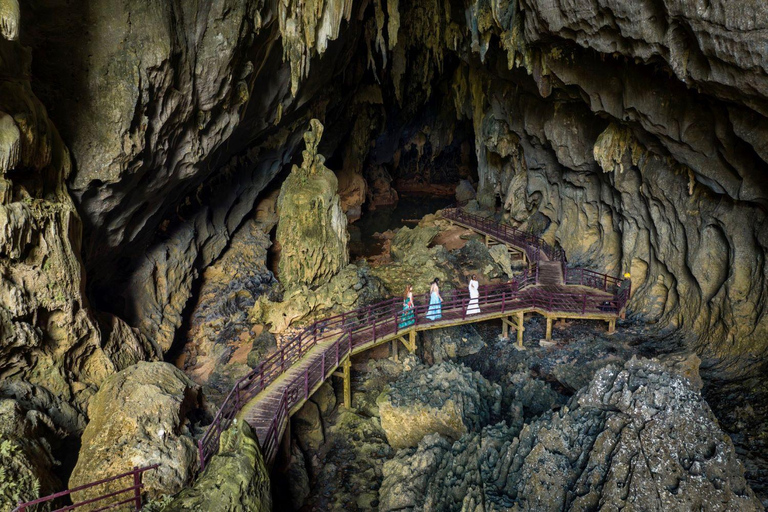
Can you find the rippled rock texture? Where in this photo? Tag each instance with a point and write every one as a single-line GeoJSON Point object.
{"type": "Point", "coordinates": [638, 436]}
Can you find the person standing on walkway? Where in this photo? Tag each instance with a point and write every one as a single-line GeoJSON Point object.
{"type": "Point", "coordinates": [435, 310]}
{"type": "Point", "coordinates": [473, 307]}
{"type": "Point", "coordinates": [406, 317]}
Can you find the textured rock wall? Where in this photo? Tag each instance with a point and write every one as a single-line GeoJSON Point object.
{"type": "Point", "coordinates": [631, 170]}
{"type": "Point", "coordinates": [312, 227]}
{"type": "Point", "coordinates": [48, 335]}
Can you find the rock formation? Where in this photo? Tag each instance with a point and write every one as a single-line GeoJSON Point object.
{"type": "Point", "coordinates": [236, 478]}
{"type": "Point", "coordinates": [136, 141]}
{"type": "Point", "coordinates": [312, 230]}
{"type": "Point", "coordinates": [637, 436]}
{"type": "Point", "coordinates": [448, 399]}
{"type": "Point", "coordinates": [138, 418]}
{"type": "Point", "coordinates": [26, 461]}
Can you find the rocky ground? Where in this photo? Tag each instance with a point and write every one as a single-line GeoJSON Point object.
{"type": "Point", "coordinates": [592, 419]}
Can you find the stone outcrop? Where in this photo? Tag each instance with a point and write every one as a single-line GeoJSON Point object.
{"type": "Point", "coordinates": [236, 478]}
{"type": "Point", "coordinates": [221, 335]}
{"type": "Point", "coordinates": [446, 398]}
{"type": "Point", "coordinates": [353, 287]}
{"type": "Point", "coordinates": [449, 344]}
{"type": "Point", "coordinates": [312, 230]}
{"type": "Point", "coordinates": [49, 336]}
{"type": "Point", "coordinates": [26, 461]}
{"type": "Point", "coordinates": [638, 436]}
{"type": "Point", "coordinates": [138, 418]}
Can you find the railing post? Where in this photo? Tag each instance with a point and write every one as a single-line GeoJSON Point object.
{"type": "Point", "coordinates": [306, 383]}
{"type": "Point", "coordinates": [137, 487]}
{"type": "Point", "coordinates": [584, 303]}
{"type": "Point", "coordinates": [463, 309]}
{"type": "Point", "coordinates": [314, 332]}
{"type": "Point", "coordinates": [503, 299]}
{"type": "Point", "coordinates": [282, 359]}
{"type": "Point", "coordinates": [323, 365]}
{"type": "Point", "coordinates": [337, 352]}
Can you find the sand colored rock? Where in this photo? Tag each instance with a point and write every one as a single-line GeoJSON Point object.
{"type": "Point", "coordinates": [312, 231]}
{"type": "Point", "coordinates": [447, 398]}
{"type": "Point", "coordinates": [139, 418]}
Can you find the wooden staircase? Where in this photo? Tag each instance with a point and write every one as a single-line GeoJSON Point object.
{"type": "Point", "coordinates": [551, 273]}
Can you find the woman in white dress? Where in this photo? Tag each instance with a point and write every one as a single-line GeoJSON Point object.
{"type": "Point", "coordinates": [473, 307]}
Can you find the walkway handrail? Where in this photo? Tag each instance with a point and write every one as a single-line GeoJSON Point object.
{"type": "Point", "coordinates": [135, 499]}
{"type": "Point", "coordinates": [529, 242]}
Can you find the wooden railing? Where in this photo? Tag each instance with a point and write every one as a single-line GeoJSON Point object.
{"type": "Point", "coordinates": [531, 244]}
{"type": "Point", "coordinates": [367, 325]}
{"type": "Point", "coordinates": [134, 499]}
{"type": "Point", "coordinates": [364, 326]}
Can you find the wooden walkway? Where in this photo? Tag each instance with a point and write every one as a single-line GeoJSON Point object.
{"type": "Point", "coordinates": [271, 393]}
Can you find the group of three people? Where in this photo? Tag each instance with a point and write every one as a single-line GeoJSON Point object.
{"type": "Point", "coordinates": [435, 310]}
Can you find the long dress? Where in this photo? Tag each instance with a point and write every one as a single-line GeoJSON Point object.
{"type": "Point", "coordinates": [435, 310]}
{"type": "Point", "coordinates": [473, 307]}
{"type": "Point", "coordinates": [406, 317]}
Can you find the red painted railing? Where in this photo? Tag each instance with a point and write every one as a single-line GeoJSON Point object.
{"type": "Point", "coordinates": [531, 244]}
{"type": "Point", "coordinates": [366, 325]}
{"type": "Point", "coordinates": [134, 499]}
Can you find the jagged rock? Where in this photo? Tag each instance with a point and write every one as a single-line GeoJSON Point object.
{"type": "Point", "coordinates": [348, 469]}
{"type": "Point", "coordinates": [138, 418]}
{"type": "Point", "coordinates": [353, 287]}
{"type": "Point", "coordinates": [450, 343]}
{"type": "Point", "coordinates": [446, 398]}
{"type": "Point", "coordinates": [236, 478]}
{"type": "Point", "coordinates": [38, 398]}
{"type": "Point", "coordinates": [26, 461]}
{"type": "Point", "coordinates": [221, 337]}
{"type": "Point", "coordinates": [637, 436]}
{"type": "Point", "coordinates": [312, 230]}
{"type": "Point", "coordinates": [408, 243]}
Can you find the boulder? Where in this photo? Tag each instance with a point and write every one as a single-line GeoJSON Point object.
{"type": "Point", "coordinates": [447, 398]}
{"type": "Point", "coordinates": [235, 479]}
{"type": "Point", "coordinates": [307, 426]}
{"type": "Point", "coordinates": [638, 437]}
{"type": "Point", "coordinates": [138, 418]}
{"type": "Point", "coordinates": [465, 192]}
{"type": "Point", "coordinates": [450, 343]}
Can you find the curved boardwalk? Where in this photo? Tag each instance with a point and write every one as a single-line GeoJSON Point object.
{"type": "Point", "coordinates": [280, 385]}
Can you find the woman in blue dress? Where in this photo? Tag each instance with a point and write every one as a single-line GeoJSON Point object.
{"type": "Point", "coordinates": [406, 317]}
{"type": "Point", "coordinates": [435, 310]}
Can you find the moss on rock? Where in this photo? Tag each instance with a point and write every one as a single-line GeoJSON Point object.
{"type": "Point", "coordinates": [235, 479]}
